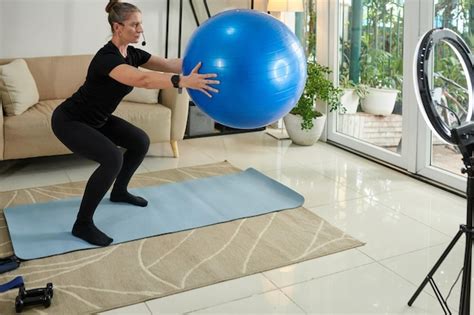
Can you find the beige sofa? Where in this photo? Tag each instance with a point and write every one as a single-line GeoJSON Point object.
{"type": "Point", "coordinates": [29, 134]}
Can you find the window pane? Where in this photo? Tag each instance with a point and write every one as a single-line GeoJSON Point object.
{"type": "Point", "coordinates": [449, 83]}
{"type": "Point", "coordinates": [371, 70]}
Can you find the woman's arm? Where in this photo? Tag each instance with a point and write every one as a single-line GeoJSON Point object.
{"type": "Point", "coordinates": [131, 76]}
{"type": "Point", "coordinates": [173, 65]}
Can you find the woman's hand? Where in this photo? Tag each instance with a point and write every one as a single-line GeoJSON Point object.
{"type": "Point", "coordinates": [200, 82]}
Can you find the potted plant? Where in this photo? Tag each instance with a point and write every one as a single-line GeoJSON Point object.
{"type": "Point", "coordinates": [382, 80]}
{"type": "Point", "coordinates": [380, 99]}
{"type": "Point", "coordinates": [352, 93]}
{"type": "Point", "coordinates": [305, 123]}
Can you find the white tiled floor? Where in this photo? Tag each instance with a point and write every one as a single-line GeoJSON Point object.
{"type": "Point", "coordinates": [405, 223]}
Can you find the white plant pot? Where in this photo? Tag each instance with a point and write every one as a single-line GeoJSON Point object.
{"type": "Point", "coordinates": [304, 137]}
{"type": "Point", "coordinates": [350, 101]}
{"type": "Point", "coordinates": [379, 101]}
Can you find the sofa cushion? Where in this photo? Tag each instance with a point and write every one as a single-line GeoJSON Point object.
{"type": "Point", "coordinates": [154, 119]}
{"type": "Point", "coordinates": [141, 95]}
{"type": "Point", "coordinates": [59, 77]}
{"type": "Point", "coordinates": [30, 134]}
{"type": "Point", "coordinates": [18, 89]}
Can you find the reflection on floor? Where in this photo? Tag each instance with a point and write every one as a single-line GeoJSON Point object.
{"type": "Point", "coordinates": [405, 223]}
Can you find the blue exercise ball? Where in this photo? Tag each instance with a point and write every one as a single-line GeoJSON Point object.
{"type": "Point", "coordinates": [260, 64]}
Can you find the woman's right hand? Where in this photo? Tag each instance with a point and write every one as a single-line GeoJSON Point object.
{"type": "Point", "coordinates": [200, 82]}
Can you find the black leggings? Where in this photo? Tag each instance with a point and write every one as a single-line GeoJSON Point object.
{"type": "Point", "coordinates": [100, 145]}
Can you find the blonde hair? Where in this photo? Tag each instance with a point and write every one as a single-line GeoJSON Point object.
{"type": "Point", "coordinates": [119, 12]}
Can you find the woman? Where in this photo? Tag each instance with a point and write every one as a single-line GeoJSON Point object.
{"type": "Point", "coordinates": [84, 122]}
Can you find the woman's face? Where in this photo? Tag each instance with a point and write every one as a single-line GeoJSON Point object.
{"type": "Point", "coordinates": [130, 30]}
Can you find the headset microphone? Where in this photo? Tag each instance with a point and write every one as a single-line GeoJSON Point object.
{"type": "Point", "coordinates": [144, 40]}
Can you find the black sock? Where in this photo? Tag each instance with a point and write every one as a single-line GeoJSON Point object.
{"type": "Point", "coordinates": [90, 233]}
{"type": "Point", "coordinates": [128, 198]}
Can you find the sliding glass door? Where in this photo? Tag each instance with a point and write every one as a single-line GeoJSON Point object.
{"type": "Point", "coordinates": [370, 52]}
{"type": "Point", "coordinates": [374, 41]}
{"type": "Point", "coordinates": [437, 159]}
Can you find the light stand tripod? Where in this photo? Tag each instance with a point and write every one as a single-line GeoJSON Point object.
{"type": "Point", "coordinates": [461, 135]}
{"type": "Point", "coordinates": [464, 137]}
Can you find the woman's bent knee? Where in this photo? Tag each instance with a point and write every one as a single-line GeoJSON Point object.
{"type": "Point", "coordinates": [142, 143]}
{"type": "Point", "coordinates": [146, 143]}
{"type": "Point", "coordinates": [113, 161]}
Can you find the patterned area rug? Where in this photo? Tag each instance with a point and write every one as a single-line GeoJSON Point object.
{"type": "Point", "coordinates": [96, 280]}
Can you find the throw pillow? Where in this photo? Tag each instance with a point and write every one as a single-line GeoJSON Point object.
{"type": "Point", "coordinates": [18, 89]}
{"type": "Point", "coordinates": [141, 95]}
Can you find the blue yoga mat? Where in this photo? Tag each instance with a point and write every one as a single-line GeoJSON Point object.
{"type": "Point", "coordinates": [44, 229]}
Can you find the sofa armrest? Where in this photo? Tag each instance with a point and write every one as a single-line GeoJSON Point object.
{"type": "Point", "coordinates": [2, 136]}
{"type": "Point", "coordinates": [179, 105]}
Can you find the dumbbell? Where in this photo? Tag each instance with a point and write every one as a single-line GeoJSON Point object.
{"type": "Point", "coordinates": [40, 296]}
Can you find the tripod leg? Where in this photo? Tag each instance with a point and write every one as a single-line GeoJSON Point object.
{"type": "Point", "coordinates": [465, 301]}
{"type": "Point", "coordinates": [435, 267]}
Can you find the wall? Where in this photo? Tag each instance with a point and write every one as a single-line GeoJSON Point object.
{"type": "Point", "coordinates": [33, 28]}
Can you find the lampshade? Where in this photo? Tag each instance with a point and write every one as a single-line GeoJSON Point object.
{"type": "Point", "coordinates": [285, 6]}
